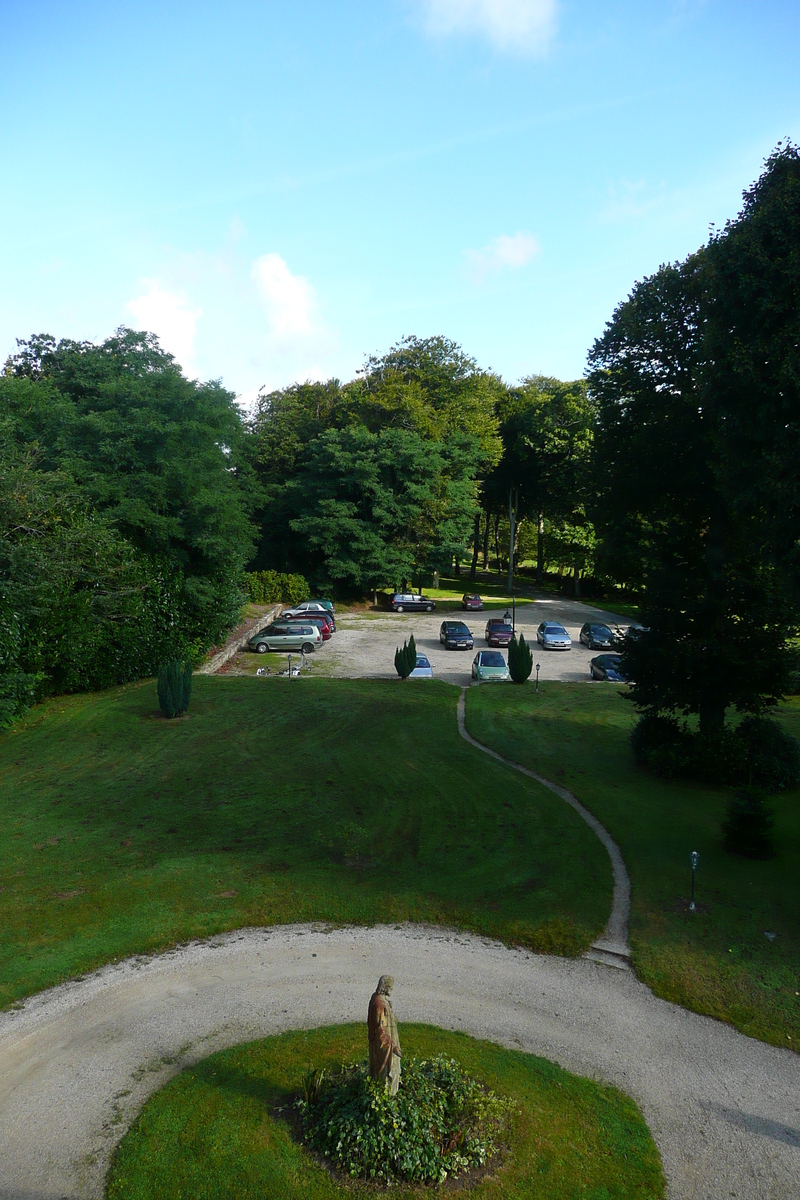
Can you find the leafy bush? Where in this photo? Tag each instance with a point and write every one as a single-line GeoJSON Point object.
{"type": "Point", "coordinates": [771, 756]}
{"type": "Point", "coordinates": [406, 659]}
{"type": "Point", "coordinates": [441, 1123]}
{"type": "Point", "coordinates": [520, 659]}
{"type": "Point", "coordinates": [271, 587]}
{"type": "Point", "coordinates": [747, 825]}
{"type": "Point", "coordinates": [174, 687]}
{"type": "Point", "coordinates": [757, 753]}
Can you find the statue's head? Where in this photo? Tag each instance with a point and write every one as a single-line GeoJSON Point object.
{"type": "Point", "coordinates": [385, 985]}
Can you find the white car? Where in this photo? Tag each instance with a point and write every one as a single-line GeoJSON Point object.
{"type": "Point", "coordinates": [552, 636]}
{"type": "Point", "coordinates": [308, 606]}
{"type": "Point", "coordinates": [423, 669]}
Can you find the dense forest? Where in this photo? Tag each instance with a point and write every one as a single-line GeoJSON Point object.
{"type": "Point", "coordinates": [132, 500]}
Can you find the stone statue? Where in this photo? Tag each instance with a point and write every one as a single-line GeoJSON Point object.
{"type": "Point", "coordinates": [384, 1044]}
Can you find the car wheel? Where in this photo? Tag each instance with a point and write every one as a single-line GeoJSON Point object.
{"type": "Point", "coordinates": [399, 608]}
{"type": "Point", "coordinates": [428, 608]}
{"type": "Point", "coordinates": [308, 647]}
{"type": "Point", "coordinates": [262, 648]}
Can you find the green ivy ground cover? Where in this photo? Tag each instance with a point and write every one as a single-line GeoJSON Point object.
{"type": "Point", "coordinates": [717, 960]}
{"type": "Point", "coordinates": [272, 801]}
{"type": "Point", "coordinates": [219, 1130]}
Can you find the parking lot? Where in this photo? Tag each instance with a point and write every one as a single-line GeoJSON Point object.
{"type": "Point", "coordinates": [365, 642]}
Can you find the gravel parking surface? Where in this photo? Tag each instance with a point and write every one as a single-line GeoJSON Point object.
{"type": "Point", "coordinates": [78, 1062]}
{"type": "Point", "coordinates": [365, 642]}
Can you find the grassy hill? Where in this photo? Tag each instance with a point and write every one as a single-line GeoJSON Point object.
{"type": "Point", "coordinates": [272, 801]}
{"type": "Point", "coordinates": [717, 960]}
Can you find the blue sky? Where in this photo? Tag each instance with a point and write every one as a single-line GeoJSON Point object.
{"type": "Point", "coordinates": [280, 188]}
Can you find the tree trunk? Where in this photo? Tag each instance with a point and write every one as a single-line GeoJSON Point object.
{"type": "Point", "coordinates": [497, 542]}
{"type": "Point", "coordinates": [576, 580]}
{"type": "Point", "coordinates": [540, 551]}
{"type": "Point", "coordinates": [458, 567]}
{"type": "Point", "coordinates": [486, 543]}
{"type": "Point", "coordinates": [476, 545]}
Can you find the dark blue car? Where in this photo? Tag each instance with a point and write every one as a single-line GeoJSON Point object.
{"type": "Point", "coordinates": [454, 635]}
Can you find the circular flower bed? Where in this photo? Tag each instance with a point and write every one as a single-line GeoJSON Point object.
{"type": "Point", "coordinates": [441, 1122]}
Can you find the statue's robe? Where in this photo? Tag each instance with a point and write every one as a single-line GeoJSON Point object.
{"type": "Point", "coordinates": [384, 1044]}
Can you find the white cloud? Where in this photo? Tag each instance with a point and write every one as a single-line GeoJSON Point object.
{"type": "Point", "coordinates": [519, 26]}
{"type": "Point", "coordinates": [290, 300]}
{"type": "Point", "coordinates": [501, 253]}
{"type": "Point", "coordinates": [167, 314]}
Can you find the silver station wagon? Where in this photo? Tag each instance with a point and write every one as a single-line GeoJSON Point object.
{"type": "Point", "coordinates": [286, 637]}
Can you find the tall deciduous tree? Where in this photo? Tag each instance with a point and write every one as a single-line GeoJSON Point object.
{"type": "Point", "coordinates": [697, 381]}
{"type": "Point", "coordinates": [376, 479]}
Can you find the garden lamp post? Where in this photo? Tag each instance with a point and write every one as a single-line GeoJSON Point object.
{"type": "Point", "coordinates": [537, 676]}
{"type": "Point", "coordinates": [695, 857]}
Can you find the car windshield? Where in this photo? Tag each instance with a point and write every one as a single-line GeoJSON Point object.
{"type": "Point", "coordinates": [456, 627]}
{"type": "Point", "coordinates": [502, 628]}
{"type": "Point", "coordinates": [422, 661]}
{"type": "Point", "coordinates": [556, 629]}
{"type": "Point", "coordinates": [601, 630]}
{"type": "Point", "coordinates": [492, 658]}
{"type": "Point", "coordinates": [609, 661]}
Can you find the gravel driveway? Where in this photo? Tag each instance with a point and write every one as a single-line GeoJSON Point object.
{"type": "Point", "coordinates": [78, 1062]}
{"type": "Point", "coordinates": [364, 643]}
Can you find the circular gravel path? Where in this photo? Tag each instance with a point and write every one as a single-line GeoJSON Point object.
{"type": "Point", "coordinates": [77, 1062]}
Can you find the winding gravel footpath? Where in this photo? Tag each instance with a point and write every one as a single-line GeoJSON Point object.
{"type": "Point", "coordinates": [77, 1062]}
{"type": "Point", "coordinates": [612, 948]}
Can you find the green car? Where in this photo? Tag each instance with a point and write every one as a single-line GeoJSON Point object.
{"type": "Point", "coordinates": [489, 664]}
{"type": "Point", "coordinates": [286, 637]}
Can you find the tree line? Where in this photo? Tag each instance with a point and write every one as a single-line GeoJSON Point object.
{"type": "Point", "coordinates": [133, 498]}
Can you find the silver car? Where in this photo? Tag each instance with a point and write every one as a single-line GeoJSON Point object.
{"type": "Point", "coordinates": [286, 637]}
{"type": "Point", "coordinates": [423, 669]}
{"type": "Point", "coordinates": [552, 636]}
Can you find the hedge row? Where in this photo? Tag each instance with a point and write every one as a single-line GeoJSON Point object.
{"type": "Point", "coordinates": [271, 587]}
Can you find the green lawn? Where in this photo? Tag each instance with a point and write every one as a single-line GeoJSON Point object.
{"type": "Point", "coordinates": [272, 801]}
{"type": "Point", "coordinates": [219, 1130]}
{"type": "Point", "coordinates": [717, 960]}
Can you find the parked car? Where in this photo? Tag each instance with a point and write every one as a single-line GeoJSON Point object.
{"type": "Point", "coordinates": [423, 669]}
{"type": "Point", "coordinates": [286, 636]}
{"type": "Point", "coordinates": [608, 666]}
{"type": "Point", "coordinates": [471, 602]}
{"type": "Point", "coordinates": [498, 632]}
{"type": "Point", "coordinates": [305, 609]}
{"type": "Point", "coordinates": [410, 602]}
{"type": "Point", "coordinates": [551, 636]}
{"type": "Point", "coordinates": [323, 618]}
{"type": "Point", "coordinates": [322, 623]}
{"type": "Point", "coordinates": [454, 635]}
{"type": "Point", "coordinates": [489, 664]}
{"type": "Point", "coordinates": [598, 637]}
{"type": "Point", "coordinates": [320, 600]}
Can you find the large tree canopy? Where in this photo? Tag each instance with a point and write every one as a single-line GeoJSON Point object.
{"type": "Point", "coordinates": [698, 501]}
{"type": "Point", "coordinates": [124, 512]}
{"type": "Point", "coordinates": [376, 479]}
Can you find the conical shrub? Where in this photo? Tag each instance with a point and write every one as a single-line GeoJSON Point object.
{"type": "Point", "coordinates": [174, 686]}
{"type": "Point", "coordinates": [520, 659]}
{"type": "Point", "coordinates": [406, 659]}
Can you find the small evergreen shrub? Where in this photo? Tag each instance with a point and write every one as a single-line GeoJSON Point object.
{"type": "Point", "coordinates": [662, 744]}
{"type": "Point", "coordinates": [406, 659]}
{"type": "Point", "coordinates": [174, 687]}
{"type": "Point", "coordinates": [747, 825]}
{"type": "Point", "coordinates": [520, 659]}
{"type": "Point", "coordinates": [271, 587]}
{"type": "Point", "coordinates": [440, 1124]}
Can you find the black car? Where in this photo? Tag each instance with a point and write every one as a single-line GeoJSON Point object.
{"type": "Point", "coordinates": [598, 637]}
{"type": "Point", "coordinates": [608, 667]}
{"type": "Point", "coordinates": [410, 602]}
{"type": "Point", "coordinates": [454, 635]}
